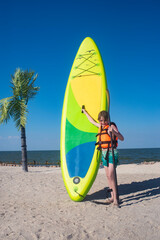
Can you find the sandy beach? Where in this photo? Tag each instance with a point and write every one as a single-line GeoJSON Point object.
{"type": "Point", "coordinates": [35, 205]}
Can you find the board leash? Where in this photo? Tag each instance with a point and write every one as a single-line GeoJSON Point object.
{"type": "Point", "coordinates": [79, 194]}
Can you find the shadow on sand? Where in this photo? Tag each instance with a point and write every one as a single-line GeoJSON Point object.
{"type": "Point", "coordinates": [136, 192]}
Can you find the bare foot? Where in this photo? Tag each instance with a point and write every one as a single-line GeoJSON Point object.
{"type": "Point", "coordinates": [109, 201]}
{"type": "Point", "coordinates": [116, 204]}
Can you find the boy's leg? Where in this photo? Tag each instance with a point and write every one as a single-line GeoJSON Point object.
{"type": "Point", "coordinates": [112, 182]}
{"type": "Point", "coordinates": [107, 170]}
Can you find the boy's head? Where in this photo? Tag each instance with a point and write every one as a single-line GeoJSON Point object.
{"type": "Point", "coordinates": [104, 115]}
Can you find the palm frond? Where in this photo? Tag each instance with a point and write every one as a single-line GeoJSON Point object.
{"type": "Point", "coordinates": [23, 84]}
{"type": "Point", "coordinates": [5, 109]}
{"type": "Point", "coordinates": [19, 112]}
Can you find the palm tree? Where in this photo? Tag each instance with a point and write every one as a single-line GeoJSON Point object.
{"type": "Point", "coordinates": [16, 106]}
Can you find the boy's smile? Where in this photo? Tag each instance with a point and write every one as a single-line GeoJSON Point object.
{"type": "Point", "coordinates": [103, 122]}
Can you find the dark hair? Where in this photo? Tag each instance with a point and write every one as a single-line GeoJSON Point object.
{"type": "Point", "coordinates": [103, 114]}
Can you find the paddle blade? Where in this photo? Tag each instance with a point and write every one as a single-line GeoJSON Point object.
{"type": "Point", "coordinates": [108, 99]}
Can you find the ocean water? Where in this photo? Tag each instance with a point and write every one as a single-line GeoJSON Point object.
{"type": "Point", "coordinates": [139, 155]}
{"type": "Point", "coordinates": [126, 156]}
{"type": "Point", "coordinates": [34, 157]}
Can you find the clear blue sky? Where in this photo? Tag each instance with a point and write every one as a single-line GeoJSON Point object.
{"type": "Point", "coordinates": [44, 36]}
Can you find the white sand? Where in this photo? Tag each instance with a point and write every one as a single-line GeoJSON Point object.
{"type": "Point", "coordinates": [35, 205]}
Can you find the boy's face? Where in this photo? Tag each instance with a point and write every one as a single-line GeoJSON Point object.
{"type": "Point", "coordinates": [103, 122]}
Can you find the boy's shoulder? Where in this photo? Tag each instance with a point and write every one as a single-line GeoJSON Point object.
{"type": "Point", "coordinates": [113, 123]}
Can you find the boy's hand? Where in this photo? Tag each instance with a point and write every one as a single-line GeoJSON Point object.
{"type": "Point", "coordinates": [110, 129]}
{"type": "Point", "coordinates": [83, 109]}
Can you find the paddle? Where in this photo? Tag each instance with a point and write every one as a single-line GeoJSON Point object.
{"type": "Point", "coordinates": [109, 122]}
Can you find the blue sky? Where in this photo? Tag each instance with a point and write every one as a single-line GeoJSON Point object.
{"type": "Point", "coordinates": [44, 36]}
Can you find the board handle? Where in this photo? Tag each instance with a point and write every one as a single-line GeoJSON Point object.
{"type": "Point", "coordinates": [83, 107]}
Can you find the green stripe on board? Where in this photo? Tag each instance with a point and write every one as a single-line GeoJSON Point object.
{"type": "Point", "coordinates": [75, 137]}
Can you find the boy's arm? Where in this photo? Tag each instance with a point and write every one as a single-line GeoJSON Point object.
{"type": "Point", "coordinates": [90, 118]}
{"type": "Point", "coordinates": [115, 132]}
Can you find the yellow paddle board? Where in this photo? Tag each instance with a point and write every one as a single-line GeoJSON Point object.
{"type": "Point", "coordinates": [86, 86]}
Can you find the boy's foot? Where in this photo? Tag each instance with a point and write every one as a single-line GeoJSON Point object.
{"type": "Point", "coordinates": [109, 201]}
{"type": "Point", "coordinates": [116, 204]}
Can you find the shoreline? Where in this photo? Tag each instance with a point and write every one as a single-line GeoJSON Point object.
{"type": "Point", "coordinates": [29, 165]}
{"type": "Point", "coordinates": [35, 205]}
{"type": "Point", "coordinates": [56, 166]}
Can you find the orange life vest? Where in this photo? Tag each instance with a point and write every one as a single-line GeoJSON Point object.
{"type": "Point", "coordinates": [104, 140]}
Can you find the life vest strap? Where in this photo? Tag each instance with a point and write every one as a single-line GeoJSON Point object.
{"type": "Point", "coordinates": [103, 142]}
{"type": "Point", "coordinates": [101, 133]}
{"type": "Point", "coordinates": [106, 142]}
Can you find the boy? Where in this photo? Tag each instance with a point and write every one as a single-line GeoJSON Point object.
{"type": "Point", "coordinates": [104, 144]}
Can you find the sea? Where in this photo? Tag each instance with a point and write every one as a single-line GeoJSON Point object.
{"type": "Point", "coordinates": [50, 158]}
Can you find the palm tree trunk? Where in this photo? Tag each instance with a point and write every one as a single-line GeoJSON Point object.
{"type": "Point", "coordinates": [24, 149]}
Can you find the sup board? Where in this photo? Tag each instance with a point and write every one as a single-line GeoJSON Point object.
{"type": "Point", "coordinates": [86, 86]}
